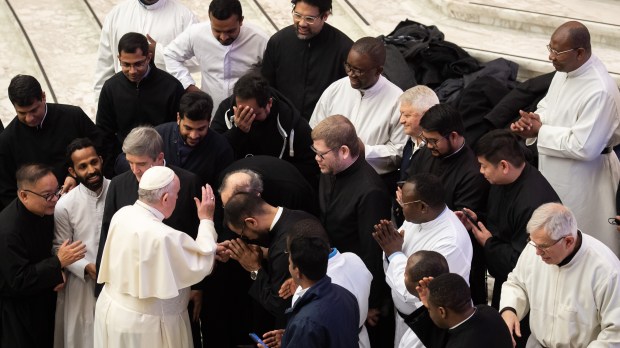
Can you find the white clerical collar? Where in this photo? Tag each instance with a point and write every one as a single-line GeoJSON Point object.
{"type": "Point", "coordinates": [374, 89]}
{"type": "Point", "coordinates": [469, 317]}
{"type": "Point", "coordinates": [583, 68]}
{"type": "Point", "coordinates": [156, 6]}
{"type": "Point", "coordinates": [276, 218]}
{"type": "Point", "coordinates": [43, 120]}
{"type": "Point", "coordinates": [153, 211]}
{"type": "Point", "coordinates": [432, 223]}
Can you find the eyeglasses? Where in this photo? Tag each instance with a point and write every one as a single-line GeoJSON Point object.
{"type": "Point", "coordinates": [137, 65]}
{"type": "Point", "coordinates": [48, 197]}
{"type": "Point", "coordinates": [543, 248]}
{"type": "Point", "coordinates": [556, 53]}
{"type": "Point", "coordinates": [403, 204]}
{"type": "Point", "coordinates": [353, 71]}
{"type": "Point", "coordinates": [433, 142]}
{"type": "Point", "coordinates": [308, 19]}
{"type": "Point", "coordinates": [322, 154]}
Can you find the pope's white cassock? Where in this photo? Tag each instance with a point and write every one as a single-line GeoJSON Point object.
{"type": "Point", "coordinates": [580, 117]}
{"type": "Point", "coordinates": [147, 268]}
{"type": "Point", "coordinates": [445, 235]}
{"type": "Point", "coordinates": [349, 271]}
{"type": "Point", "coordinates": [77, 216]}
{"type": "Point", "coordinates": [374, 112]}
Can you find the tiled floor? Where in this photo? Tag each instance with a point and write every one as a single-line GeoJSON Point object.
{"type": "Point", "coordinates": [62, 35]}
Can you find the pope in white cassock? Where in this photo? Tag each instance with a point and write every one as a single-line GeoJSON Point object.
{"type": "Point", "coordinates": [576, 126]}
{"type": "Point", "coordinates": [148, 267]}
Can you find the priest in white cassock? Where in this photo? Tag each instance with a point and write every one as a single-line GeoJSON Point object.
{"type": "Point", "coordinates": [575, 128]}
{"type": "Point", "coordinates": [148, 268]}
{"type": "Point", "coordinates": [430, 225]}
{"type": "Point", "coordinates": [77, 216]}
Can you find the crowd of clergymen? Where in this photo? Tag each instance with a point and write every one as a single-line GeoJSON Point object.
{"type": "Point", "coordinates": [300, 195]}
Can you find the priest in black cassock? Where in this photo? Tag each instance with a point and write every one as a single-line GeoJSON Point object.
{"type": "Point", "coordinates": [29, 273]}
{"type": "Point", "coordinates": [447, 156]}
{"type": "Point", "coordinates": [517, 189]}
{"type": "Point", "coordinates": [352, 199]}
{"type": "Point", "coordinates": [39, 133]}
{"type": "Point", "coordinates": [448, 319]}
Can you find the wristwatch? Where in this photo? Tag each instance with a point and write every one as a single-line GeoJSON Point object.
{"type": "Point", "coordinates": [254, 274]}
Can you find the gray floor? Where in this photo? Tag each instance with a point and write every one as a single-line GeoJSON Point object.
{"type": "Point", "coordinates": [56, 40]}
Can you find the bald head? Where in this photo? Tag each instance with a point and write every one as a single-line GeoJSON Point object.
{"type": "Point", "coordinates": [575, 33]}
{"type": "Point", "coordinates": [243, 180]}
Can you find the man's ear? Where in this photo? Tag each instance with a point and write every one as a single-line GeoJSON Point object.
{"type": "Point", "coordinates": [252, 222]}
{"type": "Point", "coordinates": [72, 171]}
{"type": "Point", "coordinates": [442, 312]}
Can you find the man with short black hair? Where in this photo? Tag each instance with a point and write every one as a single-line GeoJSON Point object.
{"type": "Point", "coordinates": [258, 120]}
{"type": "Point", "coordinates": [232, 48]}
{"type": "Point", "coordinates": [39, 133]}
{"type": "Point", "coordinates": [251, 217]}
{"type": "Point", "coordinates": [141, 94]}
{"type": "Point", "coordinates": [29, 272]}
{"type": "Point", "coordinates": [78, 216]}
{"type": "Point", "coordinates": [447, 156]}
{"type": "Point", "coordinates": [448, 319]}
{"type": "Point", "coordinates": [160, 20]}
{"type": "Point", "coordinates": [517, 189]}
{"type": "Point", "coordinates": [188, 142]}
{"type": "Point", "coordinates": [303, 59]}
{"type": "Point", "coordinates": [326, 315]}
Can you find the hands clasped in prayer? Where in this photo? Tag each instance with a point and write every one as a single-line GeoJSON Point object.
{"type": "Point", "coordinates": [528, 125]}
{"type": "Point", "coordinates": [249, 256]}
{"type": "Point", "coordinates": [389, 239]}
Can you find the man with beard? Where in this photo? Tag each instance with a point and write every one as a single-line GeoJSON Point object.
{"type": "Point", "coordinates": [29, 273]}
{"type": "Point", "coordinates": [370, 101]}
{"type": "Point", "coordinates": [188, 142]}
{"type": "Point", "coordinates": [303, 59]}
{"type": "Point", "coordinates": [249, 216]}
{"type": "Point", "coordinates": [77, 216]}
{"type": "Point", "coordinates": [224, 56]}
{"type": "Point", "coordinates": [259, 120]}
{"type": "Point", "coordinates": [141, 94]}
{"type": "Point", "coordinates": [447, 156]}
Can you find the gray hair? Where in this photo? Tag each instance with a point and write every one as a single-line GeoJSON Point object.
{"type": "Point", "coordinates": [143, 141]}
{"type": "Point", "coordinates": [153, 196]}
{"type": "Point", "coordinates": [253, 184]}
{"type": "Point", "coordinates": [556, 220]}
{"type": "Point", "coordinates": [420, 97]}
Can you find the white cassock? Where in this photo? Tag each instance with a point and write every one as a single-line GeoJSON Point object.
{"type": "Point", "coordinates": [576, 305]}
{"type": "Point", "coordinates": [163, 21]}
{"type": "Point", "coordinates": [580, 118]}
{"type": "Point", "coordinates": [445, 235]}
{"type": "Point", "coordinates": [374, 112]}
{"type": "Point", "coordinates": [77, 216]}
{"type": "Point", "coordinates": [220, 66]}
{"type": "Point", "coordinates": [349, 271]}
{"type": "Point", "coordinates": [147, 268]}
